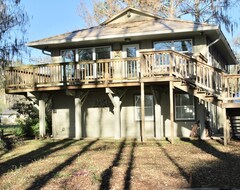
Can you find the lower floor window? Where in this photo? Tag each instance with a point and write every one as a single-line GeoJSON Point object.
{"type": "Point", "coordinates": [149, 115]}
{"type": "Point", "coordinates": [184, 107]}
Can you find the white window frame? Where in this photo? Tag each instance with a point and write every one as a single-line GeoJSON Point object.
{"type": "Point", "coordinates": [137, 109]}
{"type": "Point", "coordinates": [172, 44]}
{"type": "Point", "coordinates": [93, 52]}
{"type": "Point", "coordinates": [189, 107]}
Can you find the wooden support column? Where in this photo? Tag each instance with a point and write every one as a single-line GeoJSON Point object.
{"type": "Point", "coordinates": [116, 101]}
{"type": "Point", "coordinates": [157, 111]}
{"type": "Point", "coordinates": [42, 116]}
{"type": "Point", "coordinates": [171, 111]}
{"type": "Point", "coordinates": [142, 126]}
{"type": "Point", "coordinates": [117, 117]}
{"type": "Point", "coordinates": [224, 126]}
{"type": "Point", "coordinates": [78, 118]}
{"type": "Point", "coordinates": [79, 101]}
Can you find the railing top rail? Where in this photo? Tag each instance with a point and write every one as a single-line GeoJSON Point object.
{"type": "Point", "coordinates": [231, 75]}
{"type": "Point", "coordinates": [70, 63]}
{"type": "Point", "coordinates": [165, 51]}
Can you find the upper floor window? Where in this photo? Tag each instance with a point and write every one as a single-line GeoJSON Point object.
{"type": "Point", "coordinates": [68, 55]}
{"type": "Point", "coordinates": [86, 54]}
{"type": "Point", "coordinates": [184, 107]}
{"type": "Point", "coordinates": [183, 46]}
{"type": "Point", "coordinates": [103, 52]}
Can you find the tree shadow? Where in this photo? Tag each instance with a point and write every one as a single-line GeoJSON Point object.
{"type": "Point", "coordinates": [107, 173]}
{"type": "Point", "coordinates": [128, 174]}
{"type": "Point", "coordinates": [42, 180]}
{"type": "Point", "coordinates": [24, 160]}
{"type": "Point", "coordinates": [220, 173]}
{"type": "Point", "coordinates": [180, 169]}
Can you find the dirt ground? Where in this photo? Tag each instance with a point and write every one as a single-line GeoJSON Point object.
{"type": "Point", "coordinates": [121, 164]}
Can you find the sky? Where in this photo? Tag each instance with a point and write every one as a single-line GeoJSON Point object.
{"type": "Point", "coordinates": [49, 18]}
{"type": "Point", "coordinates": [53, 17]}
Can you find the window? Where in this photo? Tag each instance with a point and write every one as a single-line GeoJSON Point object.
{"type": "Point", "coordinates": [148, 107]}
{"type": "Point", "coordinates": [183, 46]}
{"type": "Point", "coordinates": [68, 55]}
{"type": "Point", "coordinates": [85, 54]}
{"type": "Point", "coordinates": [131, 51]}
{"type": "Point", "coordinates": [163, 45]}
{"type": "Point", "coordinates": [103, 53]}
{"type": "Point", "coordinates": [184, 107]}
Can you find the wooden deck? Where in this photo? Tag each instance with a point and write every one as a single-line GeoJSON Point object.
{"type": "Point", "coordinates": [151, 66]}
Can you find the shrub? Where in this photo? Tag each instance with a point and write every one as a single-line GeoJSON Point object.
{"type": "Point", "coordinates": [3, 146]}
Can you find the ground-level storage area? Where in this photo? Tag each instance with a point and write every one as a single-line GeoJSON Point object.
{"type": "Point", "coordinates": [116, 113]}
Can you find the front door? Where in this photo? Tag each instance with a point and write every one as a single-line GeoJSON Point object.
{"type": "Point", "coordinates": [130, 52]}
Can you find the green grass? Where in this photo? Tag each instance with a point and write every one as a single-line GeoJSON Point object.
{"type": "Point", "coordinates": [8, 129]}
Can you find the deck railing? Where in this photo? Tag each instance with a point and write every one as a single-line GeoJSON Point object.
{"type": "Point", "coordinates": [232, 87]}
{"type": "Point", "coordinates": [151, 64]}
{"type": "Point", "coordinates": [171, 63]}
{"type": "Point", "coordinates": [100, 71]}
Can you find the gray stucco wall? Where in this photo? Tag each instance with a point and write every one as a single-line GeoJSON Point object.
{"type": "Point", "coordinates": [63, 119]}
{"type": "Point", "coordinates": [98, 116]}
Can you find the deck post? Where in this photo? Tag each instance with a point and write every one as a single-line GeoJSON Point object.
{"type": "Point", "coordinates": [78, 118]}
{"type": "Point", "coordinates": [157, 109]}
{"type": "Point", "coordinates": [171, 111]}
{"type": "Point", "coordinates": [225, 131]}
{"type": "Point", "coordinates": [42, 116]}
{"type": "Point", "coordinates": [142, 125]}
{"type": "Point", "coordinates": [116, 101]}
{"type": "Point", "coordinates": [117, 116]}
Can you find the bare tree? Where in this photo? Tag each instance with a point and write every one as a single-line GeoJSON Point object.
{"type": "Point", "coordinates": [210, 11]}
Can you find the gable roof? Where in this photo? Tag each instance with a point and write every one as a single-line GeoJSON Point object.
{"type": "Point", "coordinates": [134, 24]}
{"type": "Point", "coordinates": [127, 11]}
{"type": "Point", "coordinates": [146, 25]}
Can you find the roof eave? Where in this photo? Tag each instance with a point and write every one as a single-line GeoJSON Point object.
{"type": "Point", "coordinates": [124, 35]}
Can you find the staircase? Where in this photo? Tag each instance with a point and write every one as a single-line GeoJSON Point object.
{"type": "Point", "coordinates": [234, 116]}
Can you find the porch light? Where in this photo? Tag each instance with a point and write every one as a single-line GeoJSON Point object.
{"type": "Point", "coordinates": [127, 39]}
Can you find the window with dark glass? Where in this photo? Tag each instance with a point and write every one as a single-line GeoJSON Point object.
{"type": "Point", "coordinates": [85, 54]}
{"type": "Point", "coordinates": [102, 52]}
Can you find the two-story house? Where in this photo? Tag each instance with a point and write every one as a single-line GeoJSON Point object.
{"type": "Point", "coordinates": [135, 75]}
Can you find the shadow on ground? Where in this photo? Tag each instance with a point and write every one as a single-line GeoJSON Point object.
{"type": "Point", "coordinates": [107, 173]}
{"type": "Point", "coordinates": [24, 160]}
{"type": "Point", "coordinates": [223, 173]}
{"type": "Point", "coordinates": [42, 180]}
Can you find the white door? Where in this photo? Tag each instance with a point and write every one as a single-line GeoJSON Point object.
{"type": "Point", "coordinates": [131, 66]}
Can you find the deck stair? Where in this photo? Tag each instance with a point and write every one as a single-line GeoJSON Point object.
{"type": "Point", "coordinates": [235, 125]}
{"type": "Point", "coordinates": [197, 92]}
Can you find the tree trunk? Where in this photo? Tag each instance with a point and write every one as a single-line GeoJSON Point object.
{"type": "Point", "coordinates": [197, 11]}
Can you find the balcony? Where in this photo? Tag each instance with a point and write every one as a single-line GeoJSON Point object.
{"type": "Point", "coordinates": [151, 66]}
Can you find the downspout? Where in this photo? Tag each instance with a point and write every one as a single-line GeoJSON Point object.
{"type": "Point", "coordinates": [209, 45]}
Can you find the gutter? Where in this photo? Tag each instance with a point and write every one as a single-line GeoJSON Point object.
{"type": "Point", "coordinates": [46, 53]}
